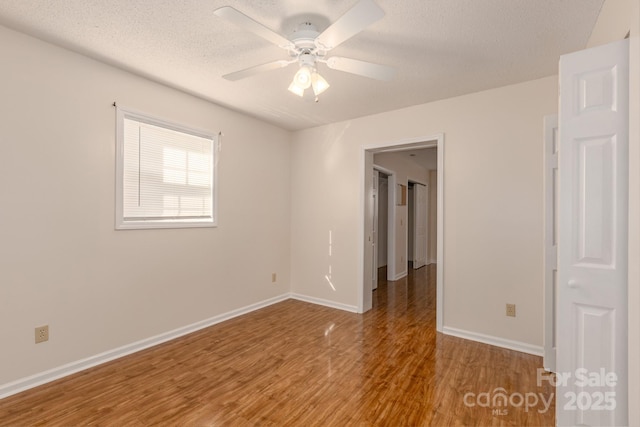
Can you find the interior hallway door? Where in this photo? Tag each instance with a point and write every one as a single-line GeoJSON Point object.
{"type": "Point", "coordinates": [592, 267]}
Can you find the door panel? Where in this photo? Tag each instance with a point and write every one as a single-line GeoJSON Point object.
{"type": "Point", "coordinates": [594, 188]}
{"type": "Point", "coordinates": [592, 270]}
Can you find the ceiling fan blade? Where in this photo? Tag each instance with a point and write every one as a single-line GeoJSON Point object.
{"type": "Point", "coordinates": [362, 68]}
{"type": "Point", "coordinates": [242, 20]}
{"type": "Point", "coordinates": [248, 72]}
{"type": "Point", "coordinates": [359, 17]}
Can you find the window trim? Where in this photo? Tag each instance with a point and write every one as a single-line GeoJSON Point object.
{"type": "Point", "coordinates": [139, 224]}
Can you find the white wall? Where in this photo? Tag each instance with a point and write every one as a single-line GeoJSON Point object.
{"type": "Point", "coordinates": [493, 203]}
{"type": "Point", "coordinates": [427, 158]}
{"type": "Point", "coordinates": [617, 18]}
{"type": "Point", "coordinates": [614, 22]}
{"type": "Point", "coordinates": [405, 168]}
{"type": "Point", "coordinates": [61, 261]}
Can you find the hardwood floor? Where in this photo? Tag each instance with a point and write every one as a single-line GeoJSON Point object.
{"type": "Point", "coordinates": [299, 364]}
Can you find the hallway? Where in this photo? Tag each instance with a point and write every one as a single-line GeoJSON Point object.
{"type": "Point", "coordinates": [444, 369]}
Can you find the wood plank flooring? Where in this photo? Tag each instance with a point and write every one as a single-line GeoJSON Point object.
{"type": "Point", "coordinates": [298, 364]}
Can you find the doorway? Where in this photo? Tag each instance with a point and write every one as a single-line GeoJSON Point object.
{"type": "Point", "coordinates": [407, 173]}
{"type": "Point", "coordinates": [395, 195]}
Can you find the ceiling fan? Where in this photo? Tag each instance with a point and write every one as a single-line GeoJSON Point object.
{"type": "Point", "coordinates": [308, 47]}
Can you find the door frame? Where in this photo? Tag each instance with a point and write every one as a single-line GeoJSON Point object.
{"type": "Point", "coordinates": [550, 250]}
{"type": "Point", "coordinates": [410, 230]}
{"type": "Point", "coordinates": [375, 228]}
{"type": "Point", "coordinates": [391, 218]}
{"type": "Point", "coordinates": [428, 141]}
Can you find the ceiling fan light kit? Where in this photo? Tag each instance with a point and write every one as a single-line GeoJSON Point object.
{"type": "Point", "coordinates": [308, 47]}
{"type": "Point", "coordinates": [305, 78]}
{"type": "Point", "coordinates": [308, 76]}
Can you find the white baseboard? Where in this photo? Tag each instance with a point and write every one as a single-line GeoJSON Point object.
{"type": "Point", "coordinates": [98, 359]}
{"type": "Point", "coordinates": [495, 341]}
{"type": "Point", "coordinates": [326, 303]}
{"type": "Point", "coordinates": [432, 261]}
{"type": "Point", "coordinates": [400, 275]}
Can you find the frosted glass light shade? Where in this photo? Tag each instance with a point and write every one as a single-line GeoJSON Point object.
{"type": "Point", "coordinates": [302, 78]}
{"type": "Point", "coordinates": [318, 83]}
{"type": "Point", "coordinates": [293, 88]}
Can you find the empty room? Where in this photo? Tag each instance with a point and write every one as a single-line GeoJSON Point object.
{"type": "Point", "coordinates": [365, 212]}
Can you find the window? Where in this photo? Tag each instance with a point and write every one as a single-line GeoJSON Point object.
{"type": "Point", "coordinates": [165, 174]}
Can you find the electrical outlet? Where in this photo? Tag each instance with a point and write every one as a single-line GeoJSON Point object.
{"type": "Point", "coordinates": [42, 334]}
{"type": "Point", "coordinates": [274, 277]}
{"type": "Point", "coordinates": [511, 310]}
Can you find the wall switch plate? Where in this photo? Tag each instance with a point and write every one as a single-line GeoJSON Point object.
{"type": "Point", "coordinates": [42, 334]}
{"type": "Point", "coordinates": [511, 310]}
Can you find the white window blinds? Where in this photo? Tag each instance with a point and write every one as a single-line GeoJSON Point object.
{"type": "Point", "coordinates": [167, 174]}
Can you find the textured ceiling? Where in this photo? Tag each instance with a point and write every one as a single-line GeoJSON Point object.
{"type": "Point", "coordinates": [441, 48]}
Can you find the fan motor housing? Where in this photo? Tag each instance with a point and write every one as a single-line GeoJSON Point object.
{"type": "Point", "coordinates": [304, 36]}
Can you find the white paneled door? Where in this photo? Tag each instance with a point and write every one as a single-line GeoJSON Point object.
{"type": "Point", "coordinates": [592, 270]}
{"type": "Point", "coordinates": [420, 226]}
